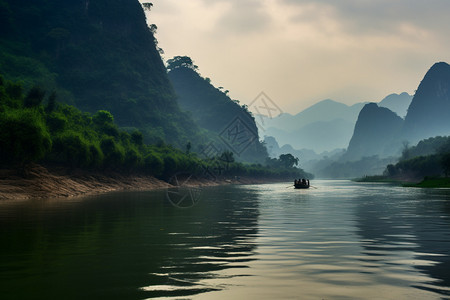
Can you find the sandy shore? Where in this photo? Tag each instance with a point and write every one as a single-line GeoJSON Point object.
{"type": "Point", "coordinates": [41, 182]}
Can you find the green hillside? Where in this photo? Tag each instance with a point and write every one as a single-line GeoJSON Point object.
{"type": "Point", "coordinates": [96, 55]}
{"type": "Point", "coordinates": [214, 111]}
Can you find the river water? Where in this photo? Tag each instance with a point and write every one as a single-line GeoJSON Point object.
{"type": "Point", "coordinates": [337, 240]}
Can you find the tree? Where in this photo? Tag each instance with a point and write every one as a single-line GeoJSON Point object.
{"type": "Point", "coordinates": [51, 102]}
{"type": "Point", "coordinates": [288, 160]}
{"type": "Point", "coordinates": [227, 157]}
{"type": "Point", "coordinates": [147, 5]}
{"type": "Point", "coordinates": [103, 117]}
{"type": "Point", "coordinates": [391, 170]}
{"type": "Point", "coordinates": [188, 148]}
{"type": "Point", "coordinates": [445, 161]}
{"type": "Point", "coordinates": [406, 150]}
{"type": "Point", "coordinates": [153, 28]}
{"type": "Point", "coordinates": [181, 62]}
{"type": "Point", "coordinates": [34, 97]}
{"type": "Point", "coordinates": [137, 138]}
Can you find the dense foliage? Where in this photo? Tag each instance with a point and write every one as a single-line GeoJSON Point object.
{"type": "Point", "coordinates": [34, 127]}
{"type": "Point", "coordinates": [430, 157]}
{"type": "Point", "coordinates": [101, 57]}
{"type": "Point", "coordinates": [61, 134]}
{"type": "Point", "coordinates": [96, 55]}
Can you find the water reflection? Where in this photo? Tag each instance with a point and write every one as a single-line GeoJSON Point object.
{"type": "Point", "coordinates": [404, 231]}
{"type": "Point", "coordinates": [340, 241]}
{"type": "Point", "coordinates": [125, 246]}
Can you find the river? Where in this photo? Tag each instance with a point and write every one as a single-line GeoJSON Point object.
{"type": "Point", "coordinates": [337, 240]}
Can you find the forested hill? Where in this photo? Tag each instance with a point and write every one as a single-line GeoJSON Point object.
{"type": "Point", "coordinates": [98, 55]}
{"type": "Point", "coordinates": [213, 110]}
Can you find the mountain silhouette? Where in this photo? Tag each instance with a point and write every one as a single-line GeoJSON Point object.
{"type": "Point", "coordinates": [397, 103]}
{"type": "Point", "coordinates": [326, 125]}
{"type": "Point", "coordinates": [429, 112]}
{"type": "Point", "coordinates": [374, 132]}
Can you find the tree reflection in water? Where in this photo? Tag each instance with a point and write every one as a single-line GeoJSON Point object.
{"type": "Point", "coordinates": [125, 245]}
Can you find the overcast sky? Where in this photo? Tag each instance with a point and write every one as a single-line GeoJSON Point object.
{"type": "Point", "coordinates": [302, 51]}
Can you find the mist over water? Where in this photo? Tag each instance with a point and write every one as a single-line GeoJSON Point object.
{"type": "Point", "coordinates": [336, 240]}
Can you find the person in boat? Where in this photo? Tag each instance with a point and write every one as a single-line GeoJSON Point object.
{"type": "Point", "coordinates": [304, 181]}
{"type": "Point", "coordinates": [307, 182]}
{"type": "Point", "coordinates": [295, 182]}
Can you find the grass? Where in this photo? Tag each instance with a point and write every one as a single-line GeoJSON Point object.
{"type": "Point", "coordinates": [431, 182]}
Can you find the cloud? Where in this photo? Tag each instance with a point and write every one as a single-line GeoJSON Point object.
{"type": "Point", "coordinates": [302, 51]}
{"type": "Point", "coordinates": [244, 17]}
{"type": "Point", "coordinates": [370, 16]}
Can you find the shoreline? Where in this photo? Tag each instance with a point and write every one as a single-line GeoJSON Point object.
{"type": "Point", "coordinates": [42, 182]}
{"type": "Point", "coordinates": [433, 182]}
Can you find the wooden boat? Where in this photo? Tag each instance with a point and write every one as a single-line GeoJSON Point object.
{"type": "Point", "coordinates": [301, 186]}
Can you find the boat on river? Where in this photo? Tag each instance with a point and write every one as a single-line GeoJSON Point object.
{"type": "Point", "coordinates": [301, 186]}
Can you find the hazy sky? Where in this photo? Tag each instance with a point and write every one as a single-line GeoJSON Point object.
{"type": "Point", "coordinates": [302, 51]}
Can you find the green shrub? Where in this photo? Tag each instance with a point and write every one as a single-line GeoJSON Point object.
{"type": "Point", "coordinates": [96, 154]}
{"type": "Point", "coordinates": [23, 136]}
{"type": "Point", "coordinates": [133, 158]}
{"type": "Point", "coordinates": [56, 122]}
{"type": "Point", "coordinates": [154, 164]}
{"type": "Point", "coordinates": [72, 149]}
{"type": "Point", "coordinates": [114, 153]}
{"type": "Point", "coordinates": [103, 117]}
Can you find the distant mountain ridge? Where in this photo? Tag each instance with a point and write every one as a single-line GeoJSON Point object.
{"type": "Point", "coordinates": [380, 131]}
{"type": "Point", "coordinates": [326, 125]}
{"type": "Point", "coordinates": [325, 110]}
{"type": "Point", "coordinates": [397, 103]}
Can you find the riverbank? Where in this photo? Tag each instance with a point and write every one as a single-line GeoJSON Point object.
{"type": "Point", "coordinates": [42, 182]}
{"type": "Point", "coordinates": [431, 182]}
{"type": "Point", "coordinates": [427, 182]}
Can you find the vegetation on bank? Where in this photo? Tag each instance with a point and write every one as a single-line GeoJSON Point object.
{"type": "Point", "coordinates": [431, 182]}
{"type": "Point", "coordinates": [34, 127]}
{"type": "Point", "coordinates": [429, 159]}
{"type": "Point", "coordinates": [97, 55]}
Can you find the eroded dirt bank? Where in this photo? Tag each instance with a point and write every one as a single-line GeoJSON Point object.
{"type": "Point", "coordinates": [40, 182]}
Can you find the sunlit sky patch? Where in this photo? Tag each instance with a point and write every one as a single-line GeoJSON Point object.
{"type": "Point", "coordinates": [302, 51]}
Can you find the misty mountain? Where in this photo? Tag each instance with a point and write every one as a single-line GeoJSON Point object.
{"type": "Point", "coordinates": [375, 130]}
{"type": "Point", "coordinates": [429, 112]}
{"type": "Point", "coordinates": [325, 110]}
{"type": "Point", "coordinates": [380, 131]}
{"type": "Point", "coordinates": [307, 157]}
{"type": "Point", "coordinates": [97, 55]}
{"type": "Point", "coordinates": [324, 126]}
{"type": "Point", "coordinates": [380, 134]}
{"type": "Point", "coordinates": [214, 111]}
{"type": "Point", "coordinates": [319, 136]}
{"type": "Point", "coordinates": [397, 103]}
